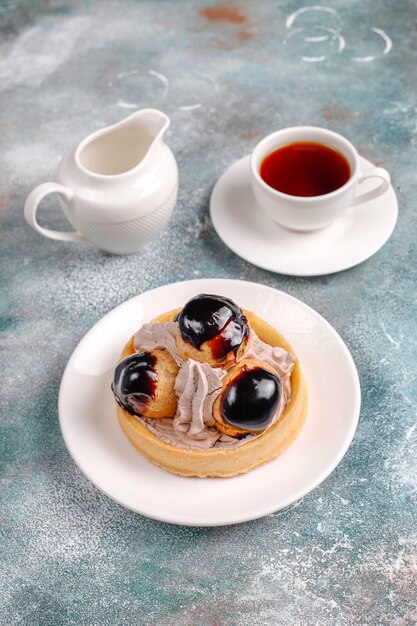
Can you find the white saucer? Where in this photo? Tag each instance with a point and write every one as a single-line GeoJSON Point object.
{"type": "Point", "coordinates": [91, 432]}
{"type": "Point", "coordinates": [252, 235]}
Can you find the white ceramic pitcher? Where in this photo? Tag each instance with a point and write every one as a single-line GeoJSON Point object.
{"type": "Point", "coordinates": [117, 188]}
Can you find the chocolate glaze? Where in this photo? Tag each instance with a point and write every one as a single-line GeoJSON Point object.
{"type": "Point", "coordinates": [215, 319]}
{"type": "Point", "coordinates": [251, 399]}
{"type": "Point", "coordinates": [134, 382]}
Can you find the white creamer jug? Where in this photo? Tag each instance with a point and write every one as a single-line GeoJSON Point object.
{"type": "Point", "coordinates": [117, 188]}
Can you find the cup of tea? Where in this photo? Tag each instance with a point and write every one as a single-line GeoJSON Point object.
{"type": "Point", "coordinates": [305, 177]}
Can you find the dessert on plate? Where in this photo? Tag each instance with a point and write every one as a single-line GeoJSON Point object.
{"type": "Point", "coordinates": [209, 390]}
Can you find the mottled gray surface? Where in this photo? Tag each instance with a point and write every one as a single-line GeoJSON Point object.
{"type": "Point", "coordinates": [347, 553]}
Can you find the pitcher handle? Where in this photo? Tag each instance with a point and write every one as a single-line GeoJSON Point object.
{"type": "Point", "coordinates": [31, 205]}
{"type": "Point", "coordinates": [373, 172]}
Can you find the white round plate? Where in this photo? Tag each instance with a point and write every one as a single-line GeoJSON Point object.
{"type": "Point", "coordinates": [100, 449]}
{"type": "Point", "coordinates": [252, 235]}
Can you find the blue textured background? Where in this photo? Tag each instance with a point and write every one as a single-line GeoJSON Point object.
{"type": "Point", "coordinates": [347, 553]}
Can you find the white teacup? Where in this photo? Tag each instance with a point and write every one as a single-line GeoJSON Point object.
{"type": "Point", "coordinates": [313, 212]}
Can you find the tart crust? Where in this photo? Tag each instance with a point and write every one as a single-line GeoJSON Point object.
{"type": "Point", "coordinates": [218, 462]}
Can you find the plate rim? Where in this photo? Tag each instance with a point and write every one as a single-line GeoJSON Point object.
{"type": "Point", "coordinates": [306, 273]}
{"type": "Point", "coordinates": [235, 518]}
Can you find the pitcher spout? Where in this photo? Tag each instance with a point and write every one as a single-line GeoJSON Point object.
{"type": "Point", "coordinates": [150, 121]}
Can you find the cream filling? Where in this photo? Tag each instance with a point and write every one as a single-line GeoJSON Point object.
{"type": "Point", "coordinates": [159, 335]}
{"type": "Point", "coordinates": [198, 385]}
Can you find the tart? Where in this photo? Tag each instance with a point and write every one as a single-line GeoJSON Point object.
{"type": "Point", "coordinates": [210, 412]}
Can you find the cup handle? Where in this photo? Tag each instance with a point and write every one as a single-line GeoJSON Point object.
{"type": "Point", "coordinates": [372, 172]}
{"type": "Point", "coordinates": [31, 205]}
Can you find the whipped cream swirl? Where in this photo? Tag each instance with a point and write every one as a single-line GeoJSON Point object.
{"type": "Point", "coordinates": [158, 335]}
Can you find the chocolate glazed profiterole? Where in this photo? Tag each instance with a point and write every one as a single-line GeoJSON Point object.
{"type": "Point", "coordinates": [144, 382]}
{"type": "Point", "coordinates": [212, 329]}
{"type": "Point", "coordinates": [249, 399]}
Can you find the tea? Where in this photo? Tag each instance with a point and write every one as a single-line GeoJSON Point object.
{"type": "Point", "coordinates": [305, 169]}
